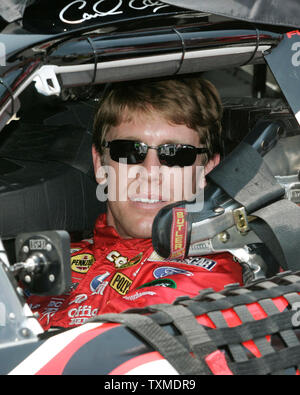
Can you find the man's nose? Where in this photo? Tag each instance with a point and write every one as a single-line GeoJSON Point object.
{"type": "Point", "coordinates": [152, 164]}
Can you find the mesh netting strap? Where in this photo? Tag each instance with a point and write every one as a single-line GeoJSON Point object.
{"type": "Point", "coordinates": [268, 364]}
{"type": "Point", "coordinates": [251, 330]}
{"type": "Point", "coordinates": [168, 346]}
{"type": "Point", "coordinates": [230, 300]}
{"type": "Point", "coordinates": [196, 335]}
{"type": "Point", "coordinates": [264, 342]}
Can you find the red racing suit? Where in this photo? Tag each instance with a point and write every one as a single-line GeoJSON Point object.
{"type": "Point", "coordinates": [111, 275]}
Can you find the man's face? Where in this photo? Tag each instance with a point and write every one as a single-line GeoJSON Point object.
{"type": "Point", "coordinates": [138, 192]}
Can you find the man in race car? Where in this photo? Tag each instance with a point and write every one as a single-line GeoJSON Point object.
{"type": "Point", "coordinates": [150, 137]}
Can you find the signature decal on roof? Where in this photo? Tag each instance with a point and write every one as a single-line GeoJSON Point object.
{"type": "Point", "coordinates": [103, 8]}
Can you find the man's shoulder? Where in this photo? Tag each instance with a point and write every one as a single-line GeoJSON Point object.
{"type": "Point", "coordinates": [81, 245]}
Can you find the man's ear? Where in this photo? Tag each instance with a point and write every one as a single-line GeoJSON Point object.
{"type": "Point", "coordinates": [212, 163]}
{"type": "Point", "coordinates": [100, 173]}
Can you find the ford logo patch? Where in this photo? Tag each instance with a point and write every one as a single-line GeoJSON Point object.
{"type": "Point", "coordinates": [165, 271]}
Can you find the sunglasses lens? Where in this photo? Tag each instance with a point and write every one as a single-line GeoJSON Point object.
{"type": "Point", "coordinates": [128, 150]}
{"type": "Point", "coordinates": [169, 155]}
{"type": "Point", "coordinates": [182, 156]}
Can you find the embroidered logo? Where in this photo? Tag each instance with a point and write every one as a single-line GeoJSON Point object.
{"type": "Point", "coordinates": [205, 263]}
{"type": "Point", "coordinates": [121, 262]}
{"type": "Point", "coordinates": [120, 283]}
{"type": "Point", "coordinates": [98, 285]}
{"type": "Point", "coordinates": [82, 262]}
{"type": "Point", "coordinates": [165, 271]}
{"type": "Point", "coordinates": [178, 233]}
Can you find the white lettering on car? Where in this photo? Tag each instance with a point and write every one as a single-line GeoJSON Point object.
{"type": "Point", "coordinates": [115, 10]}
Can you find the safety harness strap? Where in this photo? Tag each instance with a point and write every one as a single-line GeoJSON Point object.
{"type": "Point", "coordinates": [247, 179]}
{"type": "Point", "coordinates": [279, 228]}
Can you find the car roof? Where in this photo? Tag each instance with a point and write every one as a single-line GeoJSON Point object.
{"type": "Point", "coordinates": [271, 12]}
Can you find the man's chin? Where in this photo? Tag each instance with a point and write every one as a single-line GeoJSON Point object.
{"type": "Point", "coordinates": [134, 220]}
{"type": "Point", "coordinates": [144, 231]}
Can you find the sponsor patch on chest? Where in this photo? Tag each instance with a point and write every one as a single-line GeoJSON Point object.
{"type": "Point", "coordinates": [202, 262]}
{"type": "Point", "coordinates": [82, 262]}
{"type": "Point", "coordinates": [205, 263]}
{"type": "Point", "coordinates": [122, 262]}
{"type": "Point", "coordinates": [121, 283]}
{"type": "Point", "coordinates": [165, 271]}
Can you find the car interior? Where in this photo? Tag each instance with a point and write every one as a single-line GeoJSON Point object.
{"type": "Point", "coordinates": [46, 177]}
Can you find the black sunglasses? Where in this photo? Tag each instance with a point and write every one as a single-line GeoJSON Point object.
{"type": "Point", "coordinates": [169, 154]}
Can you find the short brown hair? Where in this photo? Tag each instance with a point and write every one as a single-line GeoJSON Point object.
{"type": "Point", "coordinates": [193, 102]}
